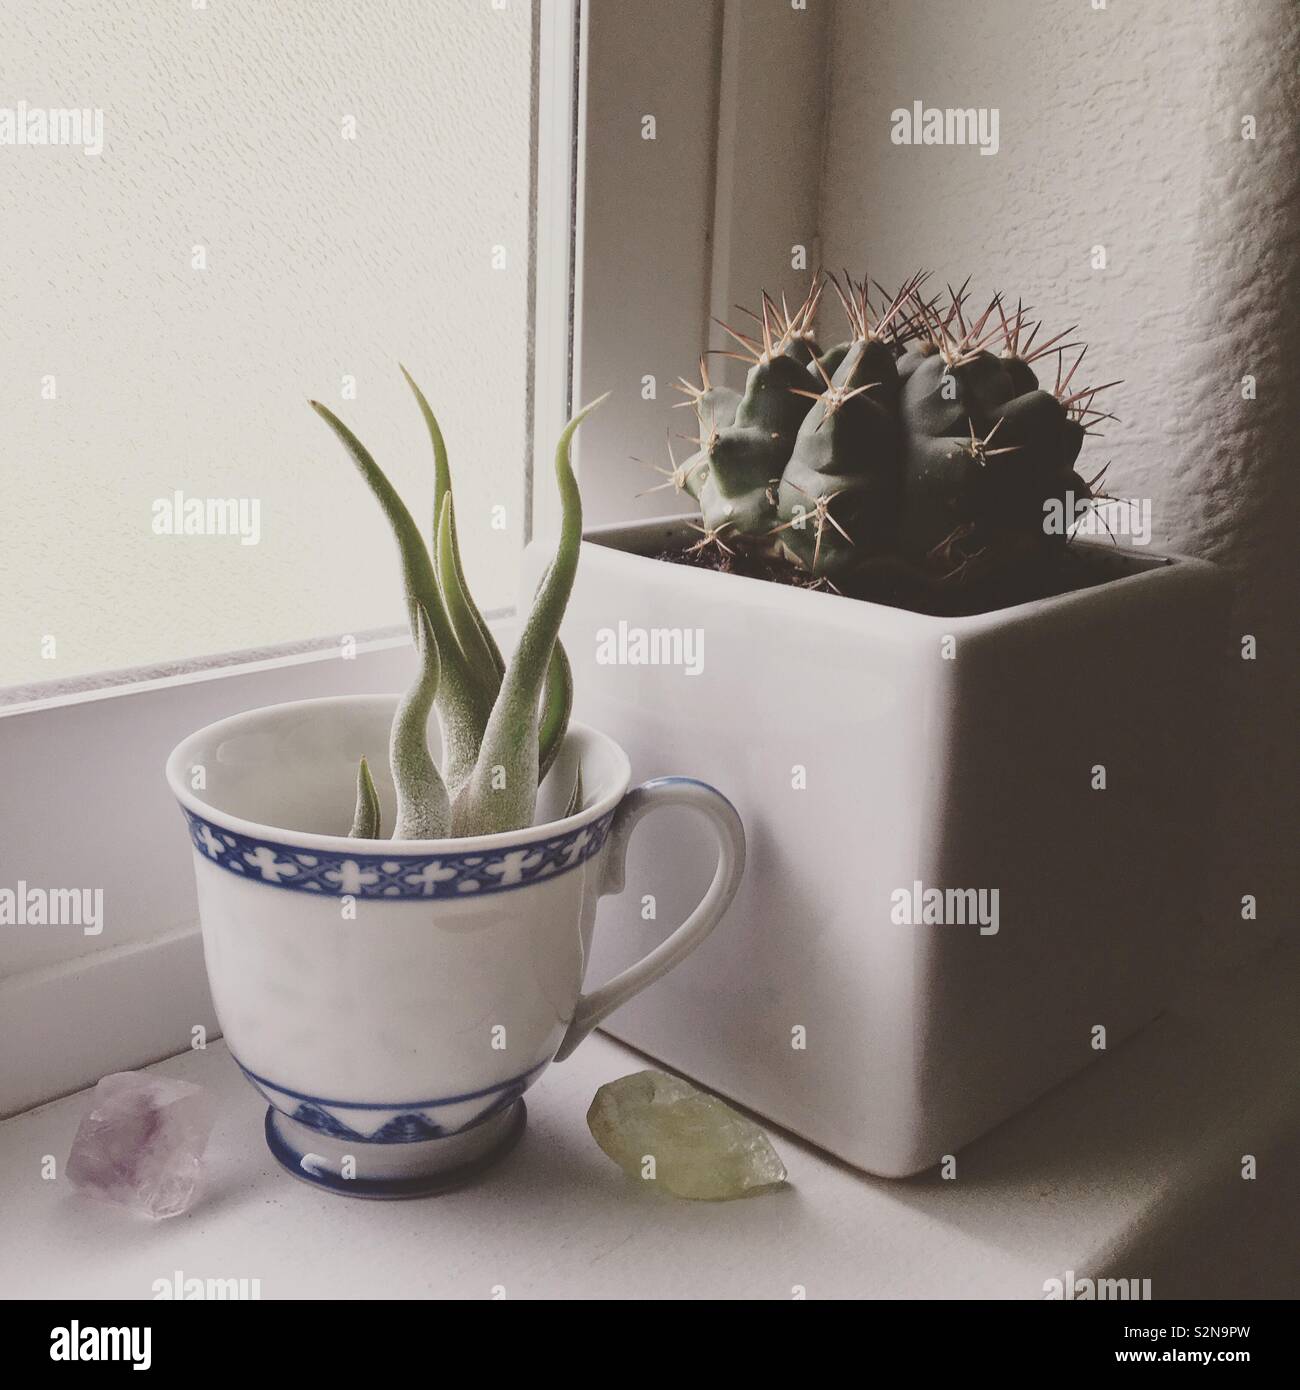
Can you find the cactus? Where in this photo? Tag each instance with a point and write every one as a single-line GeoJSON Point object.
{"type": "Point", "coordinates": [502, 725]}
{"type": "Point", "coordinates": [921, 448]}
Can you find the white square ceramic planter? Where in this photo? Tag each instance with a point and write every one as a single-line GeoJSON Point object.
{"type": "Point", "coordinates": [868, 750]}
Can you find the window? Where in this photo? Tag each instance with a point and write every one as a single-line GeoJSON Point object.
{"type": "Point", "coordinates": [479, 124]}
{"type": "Point", "coordinates": [255, 204]}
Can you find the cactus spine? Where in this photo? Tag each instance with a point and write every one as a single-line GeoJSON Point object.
{"type": "Point", "coordinates": [921, 446]}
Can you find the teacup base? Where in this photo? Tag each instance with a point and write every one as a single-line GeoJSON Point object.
{"type": "Point", "coordinates": [393, 1171]}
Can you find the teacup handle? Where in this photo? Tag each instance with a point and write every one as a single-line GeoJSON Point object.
{"type": "Point", "coordinates": [730, 834]}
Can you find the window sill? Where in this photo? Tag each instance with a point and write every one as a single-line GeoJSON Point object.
{"type": "Point", "coordinates": [95, 812]}
{"type": "Point", "coordinates": [1131, 1170]}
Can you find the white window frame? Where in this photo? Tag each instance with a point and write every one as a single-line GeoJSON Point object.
{"type": "Point", "coordinates": [85, 801]}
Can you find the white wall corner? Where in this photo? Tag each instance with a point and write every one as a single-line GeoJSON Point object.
{"type": "Point", "coordinates": [647, 135]}
{"type": "Point", "coordinates": [772, 112]}
{"type": "Point", "coordinates": [1229, 483]}
{"type": "Point", "coordinates": [1127, 129]}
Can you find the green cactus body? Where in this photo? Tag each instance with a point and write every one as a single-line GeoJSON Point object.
{"type": "Point", "coordinates": [829, 362]}
{"type": "Point", "coordinates": [912, 358]}
{"type": "Point", "coordinates": [1018, 452]}
{"type": "Point", "coordinates": [1021, 374]}
{"type": "Point", "coordinates": [1046, 443]}
{"type": "Point", "coordinates": [744, 459]}
{"type": "Point", "coordinates": [802, 348]}
{"type": "Point", "coordinates": [941, 492]}
{"type": "Point", "coordinates": [922, 443]}
{"type": "Point", "coordinates": [839, 491]}
{"type": "Point", "coordinates": [741, 466]}
{"type": "Point", "coordinates": [838, 495]}
{"type": "Point", "coordinates": [769, 403]}
{"type": "Point", "coordinates": [939, 398]}
{"type": "Point", "coordinates": [716, 408]}
{"type": "Point", "coordinates": [867, 363]}
{"type": "Point", "coordinates": [695, 474]}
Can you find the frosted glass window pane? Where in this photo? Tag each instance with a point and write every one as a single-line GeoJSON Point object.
{"type": "Point", "coordinates": [291, 198]}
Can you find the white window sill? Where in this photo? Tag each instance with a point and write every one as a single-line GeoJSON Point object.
{"type": "Point", "coordinates": [95, 812]}
{"type": "Point", "coordinates": [1132, 1170]}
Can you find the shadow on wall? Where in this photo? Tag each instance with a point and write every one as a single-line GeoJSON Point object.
{"type": "Point", "coordinates": [1159, 1120]}
{"type": "Point", "coordinates": [1146, 186]}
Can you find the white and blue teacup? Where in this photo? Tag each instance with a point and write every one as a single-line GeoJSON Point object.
{"type": "Point", "coordinates": [393, 1000]}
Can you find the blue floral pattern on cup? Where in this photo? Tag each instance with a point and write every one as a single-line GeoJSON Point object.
{"type": "Point", "coordinates": [387, 1122]}
{"type": "Point", "coordinates": [331, 873]}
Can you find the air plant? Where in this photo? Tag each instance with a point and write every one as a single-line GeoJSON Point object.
{"type": "Point", "coordinates": [502, 725]}
{"type": "Point", "coordinates": [923, 443]}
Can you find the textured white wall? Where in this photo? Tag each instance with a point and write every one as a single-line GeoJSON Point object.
{"type": "Point", "coordinates": [1122, 127]}
{"type": "Point", "coordinates": [326, 257]}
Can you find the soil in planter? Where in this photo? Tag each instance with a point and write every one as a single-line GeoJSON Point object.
{"type": "Point", "coordinates": [899, 585]}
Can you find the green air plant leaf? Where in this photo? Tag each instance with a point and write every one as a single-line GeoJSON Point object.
{"type": "Point", "coordinates": [501, 793]}
{"type": "Point", "coordinates": [476, 642]}
{"type": "Point", "coordinates": [423, 806]}
{"type": "Point", "coordinates": [472, 632]}
{"type": "Point", "coordinates": [575, 801]}
{"type": "Point", "coordinates": [451, 574]}
{"type": "Point", "coordinates": [465, 696]}
{"type": "Point", "coordinates": [557, 705]}
{"type": "Point", "coordinates": [366, 820]}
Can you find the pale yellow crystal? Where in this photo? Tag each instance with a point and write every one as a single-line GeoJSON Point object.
{"type": "Point", "coordinates": [662, 1130]}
